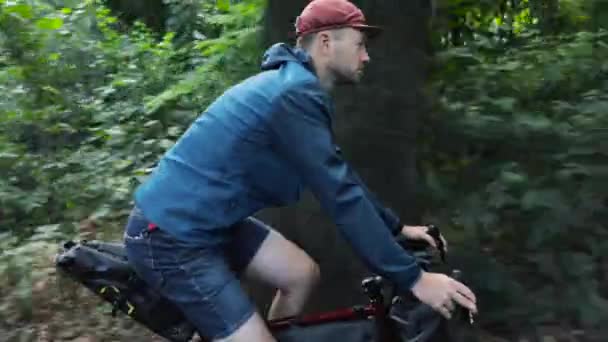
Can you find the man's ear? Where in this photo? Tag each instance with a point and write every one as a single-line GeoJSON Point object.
{"type": "Point", "coordinates": [324, 39]}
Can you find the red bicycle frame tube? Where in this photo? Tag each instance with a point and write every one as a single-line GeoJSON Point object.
{"type": "Point", "coordinates": [346, 314]}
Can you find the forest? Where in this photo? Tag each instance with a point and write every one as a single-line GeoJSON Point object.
{"type": "Point", "coordinates": [488, 118]}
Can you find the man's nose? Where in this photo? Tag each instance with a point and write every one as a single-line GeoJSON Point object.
{"type": "Point", "coordinates": [365, 57]}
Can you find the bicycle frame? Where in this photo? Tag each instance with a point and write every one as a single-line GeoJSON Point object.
{"type": "Point", "coordinates": [425, 323]}
{"type": "Point", "coordinates": [375, 310]}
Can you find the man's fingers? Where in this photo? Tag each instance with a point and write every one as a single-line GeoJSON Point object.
{"type": "Point", "coordinates": [445, 243]}
{"type": "Point", "coordinates": [465, 291]}
{"type": "Point", "coordinates": [465, 302]}
{"type": "Point", "coordinates": [449, 304]}
{"type": "Point", "coordinates": [421, 232]}
{"type": "Point", "coordinates": [429, 239]}
{"type": "Point", "coordinates": [444, 312]}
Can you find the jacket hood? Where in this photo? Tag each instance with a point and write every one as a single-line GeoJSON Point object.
{"type": "Point", "coordinates": [281, 53]}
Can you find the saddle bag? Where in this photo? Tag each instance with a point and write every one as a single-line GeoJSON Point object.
{"type": "Point", "coordinates": [103, 268]}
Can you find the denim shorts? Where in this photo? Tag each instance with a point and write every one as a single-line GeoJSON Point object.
{"type": "Point", "coordinates": [202, 281]}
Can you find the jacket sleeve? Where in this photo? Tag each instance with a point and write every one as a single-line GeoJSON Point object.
{"type": "Point", "coordinates": [390, 218]}
{"type": "Point", "coordinates": [302, 133]}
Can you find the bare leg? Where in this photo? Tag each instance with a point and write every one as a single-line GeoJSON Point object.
{"type": "Point", "coordinates": [282, 264]}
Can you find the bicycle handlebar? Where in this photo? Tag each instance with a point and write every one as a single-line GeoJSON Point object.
{"type": "Point", "coordinates": [421, 249]}
{"type": "Point", "coordinates": [422, 321]}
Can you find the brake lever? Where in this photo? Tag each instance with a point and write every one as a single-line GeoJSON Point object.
{"type": "Point", "coordinates": [456, 274]}
{"type": "Point", "coordinates": [436, 235]}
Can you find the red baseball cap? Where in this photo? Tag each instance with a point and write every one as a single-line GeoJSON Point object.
{"type": "Point", "coordinates": [321, 15]}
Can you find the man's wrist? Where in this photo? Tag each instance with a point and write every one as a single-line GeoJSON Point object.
{"type": "Point", "coordinates": [397, 229]}
{"type": "Point", "coordinates": [418, 280]}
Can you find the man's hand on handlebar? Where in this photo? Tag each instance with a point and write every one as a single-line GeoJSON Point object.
{"type": "Point", "coordinates": [437, 290]}
{"type": "Point", "coordinates": [442, 293]}
{"type": "Point", "coordinates": [421, 233]}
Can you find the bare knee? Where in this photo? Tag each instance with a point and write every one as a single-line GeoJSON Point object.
{"type": "Point", "coordinates": [313, 274]}
{"type": "Point", "coordinates": [282, 264]}
{"type": "Point", "coordinates": [304, 276]}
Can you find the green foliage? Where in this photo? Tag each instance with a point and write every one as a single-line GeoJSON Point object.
{"type": "Point", "coordinates": [86, 108]}
{"type": "Point", "coordinates": [66, 90]}
{"type": "Point", "coordinates": [505, 21]}
{"type": "Point", "coordinates": [219, 71]}
{"type": "Point", "coordinates": [202, 20]}
{"type": "Point", "coordinates": [514, 158]}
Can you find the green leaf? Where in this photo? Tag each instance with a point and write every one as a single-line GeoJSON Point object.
{"type": "Point", "coordinates": [52, 90]}
{"type": "Point", "coordinates": [535, 122]}
{"type": "Point", "coordinates": [166, 144]}
{"type": "Point", "coordinates": [49, 23]}
{"type": "Point", "coordinates": [513, 178]}
{"type": "Point", "coordinates": [124, 82]}
{"type": "Point", "coordinates": [174, 131]}
{"type": "Point", "coordinates": [54, 56]}
{"type": "Point", "coordinates": [223, 5]}
{"type": "Point", "coordinates": [550, 198]}
{"type": "Point", "coordinates": [509, 66]}
{"type": "Point", "coordinates": [594, 107]}
{"type": "Point", "coordinates": [507, 104]}
{"type": "Point", "coordinates": [8, 158]}
{"type": "Point", "coordinates": [22, 10]}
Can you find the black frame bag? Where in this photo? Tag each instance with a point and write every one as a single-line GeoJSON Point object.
{"type": "Point", "coordinates": [103, 268]}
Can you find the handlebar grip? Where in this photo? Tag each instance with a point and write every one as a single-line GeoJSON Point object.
{"type": "Point", "coordinates": [433, 231]}
{"type": "Point", "coordinates": [436, 235]}
{"type": "Point", "coordinates": [412, 245]}
{"type": "Point", "coordinates": [421, 247]}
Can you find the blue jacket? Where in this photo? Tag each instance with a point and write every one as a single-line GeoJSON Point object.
{"type": "Point", "coordinates": [257, 146]}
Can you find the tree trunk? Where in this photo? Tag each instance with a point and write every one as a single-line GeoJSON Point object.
{"type": "Point", "coordinates": [375, 126]}
{"type": "Point", "coordinates": [279, 20]}
{"type": "Point", "coordinates": [546, 11]}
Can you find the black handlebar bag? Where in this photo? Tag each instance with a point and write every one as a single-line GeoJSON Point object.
{"type": "Point", "coordinates": [103, 268]}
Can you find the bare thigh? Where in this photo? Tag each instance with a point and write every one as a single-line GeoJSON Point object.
{"type": "Point", "coordinates": [281, 263]}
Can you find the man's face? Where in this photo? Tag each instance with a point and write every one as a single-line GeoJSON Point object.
{"type": "Point", "coordinates": [347, 55]}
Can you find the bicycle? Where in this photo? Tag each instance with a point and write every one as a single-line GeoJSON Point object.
{"type": "Point", "coordinates": [103, 268]}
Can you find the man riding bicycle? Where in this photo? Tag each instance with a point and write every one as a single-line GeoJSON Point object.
{"type": "Point", "coordinates": [192, 235]}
